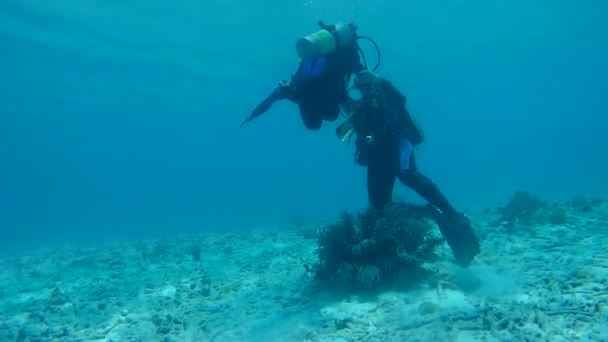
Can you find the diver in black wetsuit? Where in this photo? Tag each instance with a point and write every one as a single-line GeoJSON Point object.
{"type": "Point", "coordinates": [386, 135]}
{"type": "Point", "coordinates": [329, 57]}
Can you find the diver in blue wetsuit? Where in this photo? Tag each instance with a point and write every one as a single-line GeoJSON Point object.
{"type": "Point", "coordinates": [386, 137]}
{"type": "Point", "coordinates": [329, 57]}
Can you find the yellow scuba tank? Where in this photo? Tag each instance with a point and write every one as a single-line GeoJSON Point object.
{"type": "Point", "coordinates": [326, 40]}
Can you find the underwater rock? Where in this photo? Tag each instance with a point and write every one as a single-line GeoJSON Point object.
{"type": "Point", "coordinates": [205, 291]}
{"type": "Point", "coordinates": [558, 216]}
{"type": "Point", "coordinates": [531, 331]}
{"type": "Point", "coordinates": [168, 324]}
{"type": "Point", "coordinates": [195, 251]}
{"type": "Point", "coordinates": [427, 308]}
{"type": "Point", "coordinates": [308, 231]}
{"type": "Point", "coordinates": [57, 297]}
{"type": "Point", "coordinates": [160, 250]}
{"type": "Point", "coordinates": [585, 205]}
{"type": "Point", "coordinates": [581, 204]}
{"type": "Point", "coordinates": [342, 323]}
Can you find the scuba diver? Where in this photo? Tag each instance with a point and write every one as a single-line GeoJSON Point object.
{"type": "Point", "coordinates": [386, 137]}
{"type": "Point", "coordinates": [329, 57]}
{"type": "Point", "coordinates": [386, 133]}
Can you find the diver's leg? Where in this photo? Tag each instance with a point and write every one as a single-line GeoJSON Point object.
{"type": "Point", "coordinates": [380, 185]}
{"type": "Point", "coordinates": [331, 113]}
{"type": "Point", "coordinates": [413, 179]}
{"type": "Point", "coordinates": [312, 120]}
{"type": "Point", "coordinates": [454, 226]}
{"type": "Point", "coordinates": [380, 176]}
{"type": "Point", "coordinates": [427, 190]}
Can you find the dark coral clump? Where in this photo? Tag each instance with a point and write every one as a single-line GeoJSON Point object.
{"type": "Point", "coordinates": [581, 204]}
{"type": "Point", "coordinates": [585, 205]}
{"type": "Point", "coordinates": [557, 215]}
{"type": "Point", "coordinates": [195, 251]}
{"type": "Point", "coordinates": [521, 208]}
{"type": "Point", "coordinates": [525, 209]}
{"type": "Point", "coordinates": [373, 248]}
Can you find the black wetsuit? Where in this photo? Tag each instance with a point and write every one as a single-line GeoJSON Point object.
{"type": "Point", "coordinates": [386, 137]}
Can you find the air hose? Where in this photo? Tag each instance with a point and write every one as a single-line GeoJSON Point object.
{"type": "Point", "coordinates": [377, 50]}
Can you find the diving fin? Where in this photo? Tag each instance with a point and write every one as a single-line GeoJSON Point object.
{"type": "Point", "coordinates": [283, 91]}
{"type": "Point", "coordinates": [459, 235]}
{"type": "Point", "coordinates": [346, 129]}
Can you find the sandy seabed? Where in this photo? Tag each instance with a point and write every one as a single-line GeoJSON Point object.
{"type": "Point", "coordinates": [530, 283]}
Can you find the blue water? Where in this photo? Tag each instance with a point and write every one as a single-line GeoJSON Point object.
{"type": "Point", "coordinates": [121, 118]}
